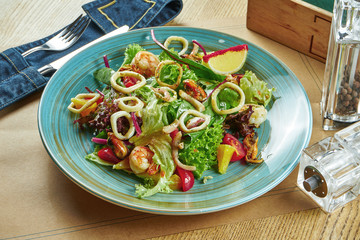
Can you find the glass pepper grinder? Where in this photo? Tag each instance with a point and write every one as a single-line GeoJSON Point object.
{"type": "Point", "coordinates": [329, 171]}
{"type": "Point", "coordinates": [341, 86]}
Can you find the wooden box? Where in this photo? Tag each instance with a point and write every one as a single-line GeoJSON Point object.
{"type": "Point", "coordinates": [294, 23]}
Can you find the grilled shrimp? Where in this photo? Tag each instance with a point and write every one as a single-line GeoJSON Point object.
{"type": "Point", "coordinates": [194, 90]}
{"type": "Point", "coordinates": [145, 63]}
{"type": "Point", "coordinates": [140, 159]}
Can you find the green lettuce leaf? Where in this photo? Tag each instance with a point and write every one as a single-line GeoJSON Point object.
{"type": "Point", "coordinates": [228, 98]}
{"type": "Point", "coordinates": [201, 151]}
{"type": "Point", "coordinates": [141, 191]}
{"type": "Point", "coordinates": [164, 56]}
{"type": "Point", "coordinates": [145, 94]}
{"type": "Point", "coordinates": [153, 118]}
{"type": "Point", "coordinates": [187, 73]}
{"type": "Point", "coordinates": [169, 74]}
{"type": "Point", "coordinates": [103, 75]}
{"type": "Point", "coordinates": [256, 91]}
{"type": "Point", "coordinates": [131, 51]}
{"type": "Point", "coordinates": [175, 108]}
{"type": "Point", "coordinates": [215, 118]}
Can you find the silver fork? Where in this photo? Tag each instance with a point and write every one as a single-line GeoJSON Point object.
{"type": "Point", "coordinates": [65, 39]}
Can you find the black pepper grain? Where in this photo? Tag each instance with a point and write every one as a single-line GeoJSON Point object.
{"type": "Point", "coordinates": [348, 94]}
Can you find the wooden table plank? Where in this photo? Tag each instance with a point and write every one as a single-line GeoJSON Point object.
{"type": "Point", "coordinates": [310, 224]}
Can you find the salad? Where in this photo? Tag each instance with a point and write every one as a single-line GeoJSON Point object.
{"type": "Point", "coordinates": [169, 118]}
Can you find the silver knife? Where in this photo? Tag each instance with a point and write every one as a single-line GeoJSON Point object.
{"type": "Point", "coordinates": [55, 65]}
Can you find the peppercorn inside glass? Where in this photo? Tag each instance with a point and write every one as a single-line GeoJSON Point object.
{"type": "Point", "coordinates": [349, 92]}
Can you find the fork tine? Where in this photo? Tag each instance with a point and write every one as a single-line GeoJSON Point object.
{"type": "Point", "coordinates": [79, 31]}
{"type": "Point", "coordinates": [66, 29]}
{"type": "Point", "coordinates": [81, 26]}
{"type": "Point", "coordinates": [62, 32]}
{"type": "Point", "coordinates": [73, 26]}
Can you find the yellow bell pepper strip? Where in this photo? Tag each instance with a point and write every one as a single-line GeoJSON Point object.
{"type": "Point", "coordinates": [78, 103]}
{"type": "Point", "coordinates": [83, 101]}
{"type": "Point", "coordinates": [123, 165]}
{"type": "Point", "coordinates": [89, 110]}
{"type": "Point", "coordinates": [224, 156]}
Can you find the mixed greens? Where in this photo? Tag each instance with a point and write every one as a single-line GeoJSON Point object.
{"type": "Point", "coordinates": [169, 118]}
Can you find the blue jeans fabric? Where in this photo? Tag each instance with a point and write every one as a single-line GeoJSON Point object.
{"type": "Point", "coordinates": [19, 76]}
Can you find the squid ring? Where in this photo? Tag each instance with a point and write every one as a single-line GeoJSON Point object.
{"type": "Point", "coordinates": [164, 93]}
{"type": "Point", "coordinates": [172, 127]}
{"type": "Point", "coordinates": [113, 120]}
{"type": "Point", "coordinates": [128, 108]}
{"type": "Point", "coordinates": [158, 70]}
{"type": "Point", "coordinates": [231, 110]}
{"type": "Point", "coordinates": [180, 39]}
{"type": "Point", "coordinates": [195, 113]}
{"type": "Point", "coordinates": [94, 97]}
{"type": "Point", "coordinates": [119, 88]}
{"type": "Point", "coordinates": [198, 105]}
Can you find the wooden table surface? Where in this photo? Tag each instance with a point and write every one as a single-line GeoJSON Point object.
{"type": "Point", "coordinates": [18, 16]}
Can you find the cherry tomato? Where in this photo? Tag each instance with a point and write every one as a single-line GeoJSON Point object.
{"type": "Point", "coordinates": [187, 179]}
{"type": "Point", "coordinates": [240, 151]}
{"type": "Point", "coordinates": [108, 155]}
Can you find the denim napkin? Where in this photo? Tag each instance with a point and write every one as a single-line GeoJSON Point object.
{"type": "Point", "coordinates": [19, 76]}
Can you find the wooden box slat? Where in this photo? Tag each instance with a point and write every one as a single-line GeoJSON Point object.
{"type": "Point", "coordinates": [296, 24]}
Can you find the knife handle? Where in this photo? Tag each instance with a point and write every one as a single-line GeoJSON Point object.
{"type": "Point", "coordinates": [46, 69]}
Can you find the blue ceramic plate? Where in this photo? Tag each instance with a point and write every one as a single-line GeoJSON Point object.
{"type": "Point", "coordinates": [281, 139]}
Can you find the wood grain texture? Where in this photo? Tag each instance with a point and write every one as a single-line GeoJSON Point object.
{"type": "Point", "coordinates": [310, 224]}
{"type": "Point", "coordinates": [293, 23]}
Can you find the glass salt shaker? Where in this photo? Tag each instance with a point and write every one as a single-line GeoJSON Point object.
{"type": "Point", "coordinates": [329, 171]}
{"type": "Point", "coordinates": [341, 86]}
